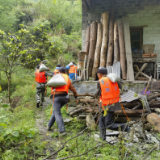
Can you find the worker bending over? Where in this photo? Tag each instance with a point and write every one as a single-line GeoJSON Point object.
{"type": "Point", "coordinates": [109, 93]}
{"type": "Point", "coordinates": [41, 79]}
{"type": "Point", "coordinates": [72, 70]}
{"type": "Point", "coordinates": [56, 71]}
{"type": "Point", "coordinates": [61, 98]}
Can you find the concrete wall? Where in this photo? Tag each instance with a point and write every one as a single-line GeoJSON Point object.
{"type": "Point", "coordinates": [150, 16]}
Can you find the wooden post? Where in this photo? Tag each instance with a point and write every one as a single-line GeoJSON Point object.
{"type": "Point", "coordinates": [93, 38]}
{"type": "Point", "coordinates": [127, 38]}
{"type": "Point", "coordinates": [122, 49]}
{"type": "Point", "coordinates": [97, 51]}
{"type": "Point", "coordinates": [116, 43]}
{"type": "Point", "coordinates": [111, 36]}
{"type": "Point", "coordinates": [104, 18]}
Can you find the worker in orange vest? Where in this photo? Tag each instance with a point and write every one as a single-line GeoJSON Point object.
{"type": "Point", "coordinates": [109, 93]}
{"type": "Point", "coordinates": [41, 79]}
{"type": "Point", "coordinates": [72, 69]}
{"type": "Point", "coordinates": [56, 69]}
{"type": "Point", "coordinates": [61, 98]}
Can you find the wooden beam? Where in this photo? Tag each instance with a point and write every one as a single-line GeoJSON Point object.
{"type": "Point", "coordinates": [142, 68]}
{"type": "Point", "coordinates": [137, 69]}
{"type": "Point", "coordinates": [127, 39]}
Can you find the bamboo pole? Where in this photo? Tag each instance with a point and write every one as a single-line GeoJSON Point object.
{"type": "Point", "coordinates": [122, 49]}
{"type": "Point", "coordinates": [111, 36]}
{"type": "Point", "coordinates": [93, 38]}
{"type": "Point", "coordinates": [104, 19]}
{"type": "Point", "coordinates": [97, 51]}
{"type": "Point", "coordinates": [116, 43]}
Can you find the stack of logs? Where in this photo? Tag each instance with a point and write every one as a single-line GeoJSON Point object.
{"type": "Point", "coordinates": [89, 104]}
{"type": "Point", "coordinates": [105, 40]}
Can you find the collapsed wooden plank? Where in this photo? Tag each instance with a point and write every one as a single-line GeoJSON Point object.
{"type": "Point", "coordinates": [127, 38]}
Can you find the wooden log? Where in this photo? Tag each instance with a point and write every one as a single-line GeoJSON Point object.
{"type": "Point", "coordinates": [77, 111]}
{"type": "Point", "coordinates": [120, 112]}
{"type": "Point", "coordinates": [130, 104]}
{"type": "Point", "coordinates": [127, 38]}
{"type": "Point", "coordinates": [87, 40]}
{"type": "Point", "coordinates": [142, 68]}
{"type": "Point", "coordinates": [129, 112]}
{"type": "Point", "coordinates": [111, 36]}
{"type": "Point", "coordinates": [86, 94]}
{"type": "Point", "coordinates": [93, 38]}
{"type": "Point", "coordinates": [116, 43]}
{"type": "Point", "coordinates": [97, 51]}
{"type": "Point", "coordinates": [104, 18]}
{"type": "Point", "coordinates": [89, 100]}
{"type": "Point", "coordinates": [122, 49]}
{"type": "Point", "coordinates": [154, 119]}
{"type": "Point", "coordinates": [153, 96]}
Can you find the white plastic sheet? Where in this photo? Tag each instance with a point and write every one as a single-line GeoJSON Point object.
{"type": "Point", "coordinates": [113, 77]}
{"type": "Point", "coordinates": [56, 81]}
{"type": "Point", "coordinates": [43, 68]}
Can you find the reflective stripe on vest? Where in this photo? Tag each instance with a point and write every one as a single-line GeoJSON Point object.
{"type": "Point", "coordinates": [40, 77]}
{"type": "Point", "coordinates": [72, 69]}
{"type": "Point", "coordinates": [56, 71]}
{"type": "Point", "coordinates": [64, 88]}
{"type": "Point", "coordinates": [109, 91]}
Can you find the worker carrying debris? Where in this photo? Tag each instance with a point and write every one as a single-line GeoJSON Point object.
{"type": "Point", "coordinates": [60, 98]}
{"type": "Point", "coordinates": [72, 70]}
{"type": "Point", "coordinates": [56, 71]}
{"type": "Point", "coordinates": [41, 77]}
{"type": "Point", "coordinates": [109, 93]}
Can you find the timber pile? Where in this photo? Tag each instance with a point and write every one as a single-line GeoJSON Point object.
{"type": "Point", "coordinates": [89, 104]}
{"type": "Point", "coordinates": [108, 42]}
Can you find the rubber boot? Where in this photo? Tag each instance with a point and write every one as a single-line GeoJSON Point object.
{"type": "Point", "coordinates": [103, 134]}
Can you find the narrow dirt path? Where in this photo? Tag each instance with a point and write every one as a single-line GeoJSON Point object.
{"type": "Point", "coordinates": [42, 127]}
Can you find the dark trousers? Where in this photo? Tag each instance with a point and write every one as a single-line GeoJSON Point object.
{"type": "Point", "coordinates": [40, 94]}
{"type": "Point", "coordinates": [59, 102]}
{"type": "Point", "coordinates": [107, 122]}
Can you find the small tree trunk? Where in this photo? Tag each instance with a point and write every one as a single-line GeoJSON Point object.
{"type": "Point", "coordinates": [93, 38]}
{"type": "Point", "coordinates": [111, 36]}
{"type": "Point", "coordinates": [9, 89]}
{"type": "Point", "coordinates": [116, 43]}
{"type": "Point", "coordinates": [122, 49]}
{"type": "Point", "coordinates": [104, 19]}
{"type": "Point", "coordinates": [97, 51]}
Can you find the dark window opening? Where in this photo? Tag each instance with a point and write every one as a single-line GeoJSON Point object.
{"type": "Point", "coordinates": [136, 37]}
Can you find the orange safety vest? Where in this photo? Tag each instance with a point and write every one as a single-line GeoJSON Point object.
{"type": "Point", "coordinates": [72, 69]}
{"type": "Point", "coordinates": [56, 71]}
{"type": "Point", "coordinates": [40, 77]}
{"type": "Point", "coordinates": [109, 92]}
{"type": "Point", "coordinates": [64, 88]}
